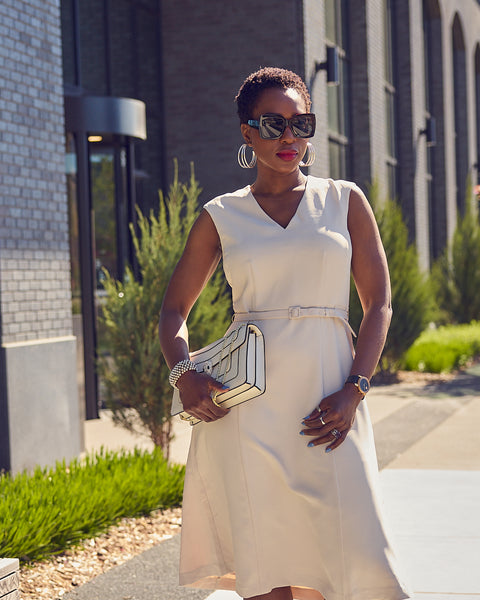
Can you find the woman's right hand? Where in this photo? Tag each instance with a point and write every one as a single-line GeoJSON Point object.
{"type": "Point", "coordinates": [196, 392]}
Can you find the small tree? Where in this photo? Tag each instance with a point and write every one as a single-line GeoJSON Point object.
{"type": "Point", "coordinates": [456, 274]}
{"type": "Point", "coordinates": [411, 291]}
{"type": "Point", "coordinates": [133, 371]}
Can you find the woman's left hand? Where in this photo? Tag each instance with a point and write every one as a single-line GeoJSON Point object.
{"type": "Point", "coordinates": [335, 413]}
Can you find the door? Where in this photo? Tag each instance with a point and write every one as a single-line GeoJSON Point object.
{"type": "Point", "coordinates": [101, 189]}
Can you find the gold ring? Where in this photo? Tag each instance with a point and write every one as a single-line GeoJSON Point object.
{"type": "Point", "coordinates": [213, 397]}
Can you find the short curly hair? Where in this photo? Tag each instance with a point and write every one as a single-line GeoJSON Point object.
{"type": "Point", "coordinates": [266, 78]}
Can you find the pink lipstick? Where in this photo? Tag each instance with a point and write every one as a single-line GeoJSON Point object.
{"type": "Point", "coordinates": [287, 155]}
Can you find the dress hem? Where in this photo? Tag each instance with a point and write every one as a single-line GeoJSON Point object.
{"type": "Point", "coordinates": [227, 581]}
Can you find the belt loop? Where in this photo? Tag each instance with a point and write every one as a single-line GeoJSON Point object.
{"type": "Point", "coordinates": [294, 312]}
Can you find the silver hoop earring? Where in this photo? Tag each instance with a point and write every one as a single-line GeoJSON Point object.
{"type": "Point", "coordinates": [242, 158]}
{"type": "Point", "coordinates": [311, 156]}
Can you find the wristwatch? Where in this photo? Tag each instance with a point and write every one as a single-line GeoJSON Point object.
{"type": "Point", "coordinates": [362, 383]}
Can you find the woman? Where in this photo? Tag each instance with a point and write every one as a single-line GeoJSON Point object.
{"type": "Point", "coordinates": [266, 511]}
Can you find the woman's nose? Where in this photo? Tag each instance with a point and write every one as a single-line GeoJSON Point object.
{"type": "Point", "coordinates": [288, 133]}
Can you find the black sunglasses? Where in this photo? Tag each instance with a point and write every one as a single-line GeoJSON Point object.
{"type": "Point", "coordinates": [272, 126]}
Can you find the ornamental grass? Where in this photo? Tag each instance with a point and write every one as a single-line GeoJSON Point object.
{"type": "Point", "coordinates": [45, 512]}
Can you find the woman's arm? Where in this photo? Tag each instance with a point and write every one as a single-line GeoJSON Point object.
{"type": "Point", "coordinates": [370, 273]}
{"type": "Point", "coordinates": [372, 280]}
{"type": "Point", "coordinates": [198, 262]}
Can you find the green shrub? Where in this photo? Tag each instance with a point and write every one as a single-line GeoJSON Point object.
{"type": "Point", "coordinates": [444, 349]}
{"type": "Point", "coordinates": [412, 300]}
{"type": "Point", "coordinates": [45, 512]}
{"type": "Point", "coordinates": [133, 371]}
{"type": "Point", "coordinates": [456, 274]}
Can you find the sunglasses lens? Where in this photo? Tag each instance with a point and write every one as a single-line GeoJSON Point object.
{"type": "Point", "coordinates": [272, 127]}
{"type": "Point", "coordinates": [303, 125]}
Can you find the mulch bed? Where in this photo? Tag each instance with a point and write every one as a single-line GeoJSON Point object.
{"type": "Point", "coordinates": [51, 579]}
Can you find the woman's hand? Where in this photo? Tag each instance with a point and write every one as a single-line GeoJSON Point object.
{"type": "Point", "coordinates": [197, 393]}
{"type": "Point", "coordinates": [335, 413]}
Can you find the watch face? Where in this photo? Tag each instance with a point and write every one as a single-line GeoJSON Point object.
{"type": "Point", "coordinates": [363, 385]}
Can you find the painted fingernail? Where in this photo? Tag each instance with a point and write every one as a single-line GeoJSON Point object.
{"type": "Point", "coordinates": [310, 444]}
{"type": "Point", "coordinates": [225, 387]}
{"type": "Point", "coordinates": [302, 433]}
{"type": "Point", "coordinates": [327, 450]}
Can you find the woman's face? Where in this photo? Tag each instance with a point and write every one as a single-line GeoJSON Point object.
{"type": "Point", "coordinates": [282, 155]}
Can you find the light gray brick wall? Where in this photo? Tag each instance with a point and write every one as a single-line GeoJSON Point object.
{"type": "Point", "coordinates": [34, 249]}
{"type": "Point", "coordinates": [368, 107]}
{"type": "Point", "coordinates": [469, 14]}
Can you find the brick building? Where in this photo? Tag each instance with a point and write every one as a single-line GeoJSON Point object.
{"type": "Point", "coordinates": [99, 97]}
{"type": "Point", "coordinates": [39, 411]}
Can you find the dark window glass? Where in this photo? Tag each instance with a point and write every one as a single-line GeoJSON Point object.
{"type": "Point", "coordinates": [390, 98]}
{"type": "Point", "coordinates": [477, 105]}
{"type": "Point", "coordinates": [336, 21]}
{"type": "Point", "coordinates": [331, 20]}
{"type": "Point", "coordinates": [390, 122]}
{"type": "Point", "coordinates": [388, 36]}
{"type": "Point", "coordinates": [391, 180]}
{"type": "Point", "coordinates": [337, 154]}
{"type": "Point", "coordinates": [460, 111]}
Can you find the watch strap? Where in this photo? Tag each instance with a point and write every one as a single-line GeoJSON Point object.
{"type": "Point", "coordinates": [355, 379]}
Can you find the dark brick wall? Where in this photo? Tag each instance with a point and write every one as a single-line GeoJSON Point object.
{"type": "Point", "coordinates": [208, 49]}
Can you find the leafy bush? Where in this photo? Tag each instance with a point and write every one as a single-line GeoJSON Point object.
{"type": "Point", "coordinates": [45, 512]}
{"type": "Point", "coordinates": [444, 349]}
{"type": "Point", "coordinates": [456, 274]}
{"type": "Point", "coordinates": [412, 299]}
{"type": "Point", "coordinates": [133, 371]}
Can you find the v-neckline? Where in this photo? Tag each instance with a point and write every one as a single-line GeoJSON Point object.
{"type": "Point", "coordinates": [271, 219]}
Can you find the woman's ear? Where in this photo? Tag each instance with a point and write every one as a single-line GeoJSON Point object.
{"type": "Point", "coordinates": [245, 129]}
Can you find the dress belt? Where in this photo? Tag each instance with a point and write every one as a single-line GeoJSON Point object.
{"type": "Point", "coordinates": [296, 312]}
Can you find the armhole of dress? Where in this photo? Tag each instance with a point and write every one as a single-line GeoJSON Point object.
{"type": "Point", "coordinates": [348, 190]}
{"type": "Point", "coordinates": [209, 213]}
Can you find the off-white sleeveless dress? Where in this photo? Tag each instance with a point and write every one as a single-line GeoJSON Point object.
{"type": "Point", "coordinates": [261, 509]}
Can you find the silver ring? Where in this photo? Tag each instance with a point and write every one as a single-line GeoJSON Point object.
{"type": "Point", "coordinates": [320, 414]}
{"type": "Point", "coordinates": [336, 434]}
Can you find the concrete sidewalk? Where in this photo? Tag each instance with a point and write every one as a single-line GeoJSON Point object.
{"type": "Point", "coordinates": [428, 447]}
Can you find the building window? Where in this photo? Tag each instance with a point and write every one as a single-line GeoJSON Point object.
{"type": "Point", "coordinates": [434, 107]}
{"type": "Point", "coordinates": [428, 94]}
{"type": "Point", "coordinates": [460, 111]}
{"type": "Point", "coordinates": [477, 107]}
{"type": "Point", "coordinates": [390, 98]}
{"type": "Point", "coordinates": [336, 13]}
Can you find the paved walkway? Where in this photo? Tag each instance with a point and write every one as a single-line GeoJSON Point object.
{"type": "Point", "coordinates": [428, 446]}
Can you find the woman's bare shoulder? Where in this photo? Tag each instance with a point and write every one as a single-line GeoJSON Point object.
{"type": "Point", "coordinates": [204, 233]}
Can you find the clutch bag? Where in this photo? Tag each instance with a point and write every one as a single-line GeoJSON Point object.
{"type": "Point", "coordinates": [236, 360]}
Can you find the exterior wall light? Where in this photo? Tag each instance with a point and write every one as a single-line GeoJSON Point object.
{"type": "Point", "coordinates": [430, 131]}
{"type": "Point", "coordinates": [331, 66]}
